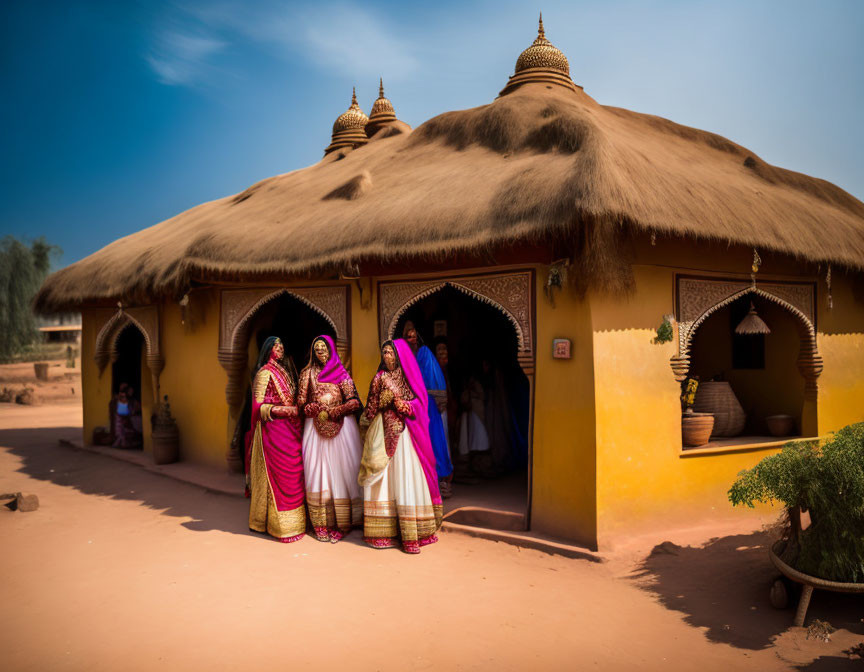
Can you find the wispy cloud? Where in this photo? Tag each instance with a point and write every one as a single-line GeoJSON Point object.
{"type": "Point", "coordinates": [180, 58]}
{"type": "Point", "coordinates": [341, 37]}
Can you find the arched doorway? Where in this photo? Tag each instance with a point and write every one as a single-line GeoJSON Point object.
{"type": "Point", "coordinates": [296, 325]}
{"type": "Point", "coordinates": [486, 385]}
{"type": "Point", "coordinates": [126, 388]}
{"type": "Point", "coordinates": [765, 372]}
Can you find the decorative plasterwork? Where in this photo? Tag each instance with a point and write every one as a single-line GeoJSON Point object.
{"type": "Point", "coordinates": [239, 305]}
{"type": "Point", "coordinates": [509, 293]}
{"type": "Point", "coordinates": [699, 298]}
{"type": "Point", "coordinates": [146, 320]}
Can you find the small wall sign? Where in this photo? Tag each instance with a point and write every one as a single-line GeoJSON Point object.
{"type": "Point", "coordinates": [440, 328]}
{"type": "Point", "coordinates": [561, 348]}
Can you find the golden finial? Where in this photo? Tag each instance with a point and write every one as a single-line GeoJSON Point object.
{"type": "Point", "coordinates": [353, 95]}
{"type": "Point", "coordinates": [380, 87]}
{"type": "Point", "coordinates": [540, 31]}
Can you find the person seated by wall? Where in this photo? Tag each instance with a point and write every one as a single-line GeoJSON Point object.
{"type": "Point", "coordinates": [126, 421]}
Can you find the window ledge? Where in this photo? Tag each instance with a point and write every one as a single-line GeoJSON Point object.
{"type": "Point", "coordinates": [743, 445]}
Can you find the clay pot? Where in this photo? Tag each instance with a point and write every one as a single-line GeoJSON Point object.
{"type": "Point", "coordinates": [780, 425]}
{"type": "Point", "coordinates": [696, 429]}
{"type": "Point", "coordinates": [166, 444]}
{"type": "Point", "coordinates": [718, 399]}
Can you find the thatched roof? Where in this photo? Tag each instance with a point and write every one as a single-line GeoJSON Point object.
{"type": "Point", "coordinates": [539, 163]}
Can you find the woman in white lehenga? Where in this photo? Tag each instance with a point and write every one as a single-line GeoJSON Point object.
{"type": "Point", "coordinates": [401, 499]}
{"type": "Point", "coordinates": [331, 443]}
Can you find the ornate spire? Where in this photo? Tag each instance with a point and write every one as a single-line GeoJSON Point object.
{"type": "Point", "coordinates": [541, 62]}
{"type": "Point", "coordinates": [382, 112]}
{"type": "Point", "coordinates": [349, 127]}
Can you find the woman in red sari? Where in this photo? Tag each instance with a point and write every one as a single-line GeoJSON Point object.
{"type": "Point", "coordinates": [274, 461]}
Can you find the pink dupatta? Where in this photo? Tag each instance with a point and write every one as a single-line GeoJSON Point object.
{"type": "Point", "coordinates": [418, 426]}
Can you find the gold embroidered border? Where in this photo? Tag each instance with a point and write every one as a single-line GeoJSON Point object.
{"type": "Point", "coordinates": [263, 514]}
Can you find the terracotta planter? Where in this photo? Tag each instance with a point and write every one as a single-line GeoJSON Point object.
{"type": "Point", "coordinates": [696, 429]}
{"type": "Point", "coordinates": [718, 399]}
{"type": "Point", "coordinates": [166, 445]}
{"type": "Point", "coordinates": [780, 425]}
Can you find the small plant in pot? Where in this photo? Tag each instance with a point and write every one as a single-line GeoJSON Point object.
{"type": "Point", "coordinates": [695, 427]}
{"type": "Point", "coordinates": [827, 482]}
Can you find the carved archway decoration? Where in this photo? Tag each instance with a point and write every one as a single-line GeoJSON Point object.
{"type": "Point", "coordinates": [238, 306]}
{"type": "Point", "coordinates": [699, 298]}
{"type": "Point", "coordinates": [511, 293]}
{"type": "Point", "coordinates": [146, 320]}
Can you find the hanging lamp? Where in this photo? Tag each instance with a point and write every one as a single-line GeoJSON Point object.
{"type": "Point", "coordinates": [752, 324]}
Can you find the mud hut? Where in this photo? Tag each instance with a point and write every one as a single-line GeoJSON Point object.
{"type": "Point", "coordinates": [599, 256]}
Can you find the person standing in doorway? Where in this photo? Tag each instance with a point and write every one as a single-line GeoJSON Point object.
{"type": "Point", "coordinates": [436, 388]}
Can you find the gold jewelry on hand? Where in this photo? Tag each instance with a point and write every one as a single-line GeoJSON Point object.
{"type": "Point", "coordinates": [323, 416]}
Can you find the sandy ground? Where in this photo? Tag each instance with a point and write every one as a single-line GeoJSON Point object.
{"type": "Point", "coordinates": [62, 387]}
{"type": "Point", "coordinates": [122, 569]}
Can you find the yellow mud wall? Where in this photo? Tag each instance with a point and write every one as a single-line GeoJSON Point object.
{"type": "Point", "coordinates": [95, 387]}
{"type": "Point", "coordinates": [563, 475]}
{"type": "Point", "coordinates": [194, 380]}
{"type": "Point", "coordinates": [644, 483]}
{"type": "Point", "coordinates": [365, 345]}
{"type": "Point", "coordinates": [840, 337]}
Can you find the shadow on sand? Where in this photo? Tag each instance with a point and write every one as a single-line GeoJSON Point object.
{"type": "Point", "coordinates": [44, 459]}
{"type": "Point", "coordinates": [722, 587]}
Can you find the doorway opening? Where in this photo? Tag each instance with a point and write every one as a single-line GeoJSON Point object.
{"type": "Point", "coordinates": [487, 407]}
{"type": "Point", "coordinates": [125, 408]}
{"type": "Point", "coordinates": [296, 325]}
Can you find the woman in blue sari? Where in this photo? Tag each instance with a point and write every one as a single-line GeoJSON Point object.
{"type": "Point", "coordinates": [436, 386]}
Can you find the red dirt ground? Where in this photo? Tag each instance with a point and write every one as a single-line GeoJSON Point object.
{"type": "Point", "coordinates": [123, 569]}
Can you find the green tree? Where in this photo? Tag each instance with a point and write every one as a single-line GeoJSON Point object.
{"type": "Point", "coordinates": [22, 271]}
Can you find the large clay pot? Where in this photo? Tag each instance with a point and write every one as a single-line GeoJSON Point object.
{"type": "Point", "coordinates": [696, 429]}
{"type": "Point", "coordinates": [718, 399]}
{"type": "Point", "coordinates": [166, 445]}
{"type": "Point", "coordinates": [165, 436]}
{"type": "Point", "coordinates": [780, 425]}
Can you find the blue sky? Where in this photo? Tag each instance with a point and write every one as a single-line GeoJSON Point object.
{"type": "Point", "coordinates": [116, 115]}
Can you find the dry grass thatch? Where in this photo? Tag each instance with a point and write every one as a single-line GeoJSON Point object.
{"type": "Point", "coordinates": [539, 163]}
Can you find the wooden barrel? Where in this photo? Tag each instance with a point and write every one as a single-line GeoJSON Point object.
{"type": "Point", "coordinates": [718, 399]}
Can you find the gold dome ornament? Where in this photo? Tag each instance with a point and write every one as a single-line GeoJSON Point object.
{"type": "Point", "coordinates": [349, 129]}
{"type": "Point", "coordinates": [382, 112]}
{"type": "Point", "coordinates": [541, 62]}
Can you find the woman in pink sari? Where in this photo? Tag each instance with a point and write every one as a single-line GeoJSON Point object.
{"type": "Point", "coordinates": [274, 462]}
{"type": "Point", "coordinates": [331, 443]}
{"type": "Point", "coordinates": [401, 499]}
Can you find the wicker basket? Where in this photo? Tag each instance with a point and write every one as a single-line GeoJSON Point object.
{"type": "Point", "coordinates": [719, 400]}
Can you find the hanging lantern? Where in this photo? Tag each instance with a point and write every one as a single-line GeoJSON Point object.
{"type": "Point", "coordinates": [752, 324]}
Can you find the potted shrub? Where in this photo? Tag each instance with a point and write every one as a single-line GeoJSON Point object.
{"type": "Point", "coordinates": [826, 480]}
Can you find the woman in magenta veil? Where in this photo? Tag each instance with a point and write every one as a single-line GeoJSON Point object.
{"type": "Point", "coordinates": [331, 442]}
{"type": "Point", "coordinates": [274, 461]}
{"type": "Point", "coordinates": [401, 499]}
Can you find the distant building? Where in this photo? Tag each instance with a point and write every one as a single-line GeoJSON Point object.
{"type": "Point", "coordinates": [64, 328]}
